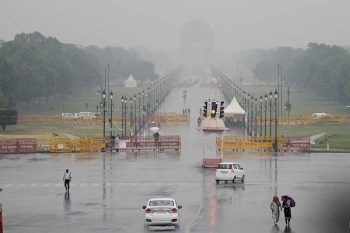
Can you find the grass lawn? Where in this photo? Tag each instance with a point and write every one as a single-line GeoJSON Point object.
{"type": "Point", "coordinates": [88, 100]}
{"type": "Point", "coordinates": [42, 128]}
{"type": "Point", "coordinates": [337, 135]}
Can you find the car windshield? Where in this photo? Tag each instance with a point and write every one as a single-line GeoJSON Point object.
{"type": "Point", "coordinates": [161, 203]}
{"type": "Point", "coordinates": [225, 166]}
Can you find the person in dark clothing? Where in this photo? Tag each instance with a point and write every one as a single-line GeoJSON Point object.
{"type": "Point", "coordinates": [287, 211]}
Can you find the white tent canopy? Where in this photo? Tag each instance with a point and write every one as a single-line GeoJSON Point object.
{"type": "Point", "coordinates": [234, 108]}
{"type": "Point", "coordinates": [130, 82]}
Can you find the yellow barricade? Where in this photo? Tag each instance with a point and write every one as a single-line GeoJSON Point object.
{"type": "Point", "coordinates": [250, 143]}
{"type": "Point", "coordinates": [81, 144]}
{"type": "Point", "coordinates": [61, 145]}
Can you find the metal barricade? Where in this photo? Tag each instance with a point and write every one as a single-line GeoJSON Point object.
{"type": "Point", "coordinates": [18, 145]}
{"type": "Point", "coordinates": [164, 143]}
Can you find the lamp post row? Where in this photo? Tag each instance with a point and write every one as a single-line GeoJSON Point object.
{"type": "Point", "coordinates": [251, 105]}
{"type": "Point", "coordinates": [155, 94]}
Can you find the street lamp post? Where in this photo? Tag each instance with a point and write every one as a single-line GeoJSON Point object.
{"type": "Point", "coordinates": [125, 113]}
{"type": "Point", "coordinates": [154, 98]}
{"type": "Point", "coordinates": [139, 118]}
{"type": "Point", "coordinates": [261, 124]}
{"type": "Point", "coordinates": [122, 115]}
{"type": "Point", "coordinates": [252, 116]}
{"type": "Point", "coordinates": [111, 120]}
{"type": "Point", "coordinates": [148, 101]}
{"type": "Point", "coordinates": [130, 115]}
{"type": "Point", "coordinates": [256, 117]}
{"type": "Point", "coordinates": [265, 105]}
{"type": "Point", "coordinates": [104, 113]}
{"type": "Point", "coordinates": [248, 116]}
{"type": "Point", "coordinates": [143, 108]}
{"type": "Point", "coordinates": [270, 95]}
{"type": "Point", "coordinates": [135, 122]}
{"type": "Point", "coordinates": [276, 108]}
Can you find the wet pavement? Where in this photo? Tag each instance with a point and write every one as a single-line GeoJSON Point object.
{"type": "Point", "coordinates": [108, 190]}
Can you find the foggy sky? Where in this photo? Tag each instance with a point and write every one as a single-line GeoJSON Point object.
{"type": "Point", "coordinates": [237, 24]}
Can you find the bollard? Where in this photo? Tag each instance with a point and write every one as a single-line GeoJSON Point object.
{"type": "Point", "coordinates": [1, 226]}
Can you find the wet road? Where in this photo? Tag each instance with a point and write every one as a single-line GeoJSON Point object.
{"type": "Point", "coordinates": [108, 190]}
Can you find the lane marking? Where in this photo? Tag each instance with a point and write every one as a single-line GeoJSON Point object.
{"type": "Point", "coordinates": [157, 184]}
{"type": "Point", "coordinates": [195, 217]}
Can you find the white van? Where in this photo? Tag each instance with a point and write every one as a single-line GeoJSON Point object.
{"type": "Point", "coordinates": [86, 115]}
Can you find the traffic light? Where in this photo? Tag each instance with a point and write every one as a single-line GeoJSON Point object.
{"type": "Point", "coordinates": [221, 109]}
{"type": "Point", "coordinates": [205, 109]}
{"type": "Point", "coordinates": [214, 107]}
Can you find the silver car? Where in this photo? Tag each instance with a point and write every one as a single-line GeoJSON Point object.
{"type": "Point", "coordinates": [162, 212]}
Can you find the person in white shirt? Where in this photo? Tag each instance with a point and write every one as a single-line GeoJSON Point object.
{"type": "Point", "coordinates": [116, 143]}
{"type": "Point", "coordinates": [67, 177]}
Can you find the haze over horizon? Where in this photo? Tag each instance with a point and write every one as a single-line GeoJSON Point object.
{"type": "Point", "coordinates": [157, 24]}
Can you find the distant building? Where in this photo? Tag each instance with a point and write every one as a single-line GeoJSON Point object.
{"type": "Point", "coordinates": [130, 82]}
{"type": "Point", "coordinates": [196, 45]}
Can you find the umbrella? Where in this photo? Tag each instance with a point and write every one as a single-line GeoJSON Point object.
{"type": "Point", "coordinates": [288, 198]}
{"type": "Point", "coordinates": [154, 129]}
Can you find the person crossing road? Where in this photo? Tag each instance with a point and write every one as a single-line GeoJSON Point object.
{"type": "Point", "coordinates": [67, 177]}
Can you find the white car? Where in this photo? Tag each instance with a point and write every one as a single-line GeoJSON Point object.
{"type": "Point", "coordinates": [86, 115]}
{"type": "Point", "coordinates": [229, 171]}
{"type": "Point", "coordinates": [67, 115]}
{"type": "Point", "coordinates": [162, 212]}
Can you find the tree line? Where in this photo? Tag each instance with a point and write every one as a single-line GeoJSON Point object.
{"type": "Point", "coordinates": [33, 66]}
{"type": "Point", "coordinates": [322, 68]}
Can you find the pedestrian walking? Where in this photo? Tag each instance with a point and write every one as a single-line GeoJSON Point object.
{"type": "Point", "coordinates": [286, 205]}
{"type": "Point", "coordinates": [275, 208]}
{"type": "Point", "coordinates": [67, 177]}
{"type": "Point", "coordinates": [116, 143]}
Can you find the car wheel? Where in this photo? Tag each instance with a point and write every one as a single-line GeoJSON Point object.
{"type": "Point", "coordinates": [242, 180]}
{"type": "Point", "coordinates": [177, 227]}
{"type": "Point", "coordinates": [234, 180]}
{"type": "Point", "coordinates": [217, 181]}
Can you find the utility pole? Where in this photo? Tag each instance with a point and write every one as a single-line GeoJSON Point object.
{"type": "Point", "coordinates": [288, 104]}
{"type": "Point", "coordinates": [104, 113]}
{"type": "Point", "coordinates": [278, 83]}
{"type": "Point", "coordinates": [111, 120]}
{"type": "Point", "coordinates": [265, 105]}
{"type": "Point", "coordinates": [135, 133]}
{"type": "Point", "coordinates": [261, 117]}
{"type": "Point", "coordinates": [276, 119]}
{"type": "Point", "coordinates": [280, 94]}
{"type": "Point", "coordinates": [131, 116]}
{"type": "Point", "coordinates": [139, 118]}
{"type": "Point", "coordinates": [122, 115]}
{"type": "Point", "coordinates": [270, 112]}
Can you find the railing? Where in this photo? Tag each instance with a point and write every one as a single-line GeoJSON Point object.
{"type": "Point", "coordinates": [164, 143]}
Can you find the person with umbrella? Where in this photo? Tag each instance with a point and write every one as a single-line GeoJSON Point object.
{"type": "Point", "coordinates": [275, 207]}
{"type": "Point", "coordinates": [287, 203]}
